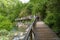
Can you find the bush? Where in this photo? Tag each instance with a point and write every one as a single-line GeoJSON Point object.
{"type": "Point", "coordinates": [5, 23]}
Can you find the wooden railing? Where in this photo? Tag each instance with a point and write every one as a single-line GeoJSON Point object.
{"type": "Point", "coordinates": [30, 34]}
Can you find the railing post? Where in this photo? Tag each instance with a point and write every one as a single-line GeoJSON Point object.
{"type": "Point", "coordinates": [34, 25]}
{"type": "Point", "coordinates": [31, 35]}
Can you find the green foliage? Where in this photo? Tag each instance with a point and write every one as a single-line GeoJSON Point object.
{"type": "Point", "coordinates": [3, 32]}
{"type": "Point", "coordinates": [50, 19]}
{"type": "Point", "coordinates": [34, 7]}
{"type": "Point", "coordinates": [9, 10]}
{"type": "Point", "coordinates": [5, 23]}
{"type": "Point", "coordinates": [53, 15]}
{"type": "Point", "coordinates": [38, 7]}
{"type": "Point", "coordinates": [4, 38]}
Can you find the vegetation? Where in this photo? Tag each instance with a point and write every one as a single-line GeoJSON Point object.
{"type": "Point", "coordinates": [9, 10]}
{"type": "Point", "coordinates": [53, 15]}
{"type": "Point", "coordinates": [48, 10]}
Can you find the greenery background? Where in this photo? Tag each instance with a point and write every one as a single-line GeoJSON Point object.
{"type": "Point", "coordinates": [48, 10]}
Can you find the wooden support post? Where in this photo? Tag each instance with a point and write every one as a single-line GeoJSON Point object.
{"type": "Point", "coordinates": [31, 35]}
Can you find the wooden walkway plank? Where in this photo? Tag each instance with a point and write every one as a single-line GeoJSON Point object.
{"type": "Point", "coordinates": [43, 32]}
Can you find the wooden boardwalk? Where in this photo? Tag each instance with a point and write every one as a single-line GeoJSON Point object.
{"type": "Point", "coordinates": [43, 32]}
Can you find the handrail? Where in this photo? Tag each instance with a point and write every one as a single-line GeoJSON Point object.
{"type": "Point", "coordinates": [30, 29]}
